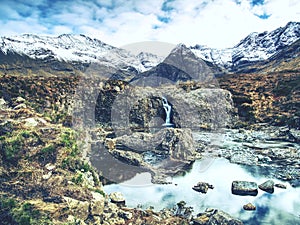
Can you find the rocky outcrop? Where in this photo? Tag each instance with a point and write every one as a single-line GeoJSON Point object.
{"type": "Point", "coordinates": [215, 217]}
{"type": "Point", "coordinates": [244, 188]}
{"type": "Point", "coordinates": [164, 153]}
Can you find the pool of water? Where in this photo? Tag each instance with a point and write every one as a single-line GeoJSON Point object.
{"type": "Point", "coordinates": [281, 207]}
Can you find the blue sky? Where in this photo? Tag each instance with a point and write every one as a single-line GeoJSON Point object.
{"type": "Point", "coordinates": [216, 23]}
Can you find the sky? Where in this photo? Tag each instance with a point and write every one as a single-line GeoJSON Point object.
{"type": "Point", "coordinates": [215, 23]}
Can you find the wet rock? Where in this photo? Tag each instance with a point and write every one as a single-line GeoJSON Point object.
{"type": "Point", "coordinates": [241, 157]}
{"type": "Point", "coordinates": [249, 207]}
{"type": "Point", "coordinates": [215, 217]}
{"type": "Point", "coordinates": [202, 187]}
{"type": "Point", "coordinates": [267, 186]}
{"type": "Point", "coordinates": [283, 186]}
{"type": "Point", "coordinates": [117, 198]}
{"type": "Point", "coordinates": [244, 188]}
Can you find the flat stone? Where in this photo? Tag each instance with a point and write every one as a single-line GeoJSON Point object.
{"type": "Point", "coordinates": [283, 186]}
{"type": "Point", "coordinates": [117, 198]}
{"type": "Point", "coordinates": [244, 188]}
{"type": "Point", "coordinates": [249, 206]}
{"type": "Point", "coordinates": [267, 186]}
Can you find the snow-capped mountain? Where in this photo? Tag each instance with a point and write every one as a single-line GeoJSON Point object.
{"type": "Point", "coordinates": [255, 47]}
{"type": "Point", "coordinates": [80, 49]}
{"type": "Point", "coordinates": [76, 49]}
{"type": "Point", "coordinates": [149, 60]}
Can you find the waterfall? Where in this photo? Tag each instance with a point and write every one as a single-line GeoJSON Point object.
{"type": "Point", "coordinates": [167, 109]}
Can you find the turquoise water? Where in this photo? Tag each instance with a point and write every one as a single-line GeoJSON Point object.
{"type": "Point", "coordinates": [281, 207]}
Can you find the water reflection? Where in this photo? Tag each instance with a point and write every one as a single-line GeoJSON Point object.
{"type": "Point", "coordinates": [281, 207]}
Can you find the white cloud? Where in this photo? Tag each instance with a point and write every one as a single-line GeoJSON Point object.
{"type": "Point", "coordinates": [217, 23]}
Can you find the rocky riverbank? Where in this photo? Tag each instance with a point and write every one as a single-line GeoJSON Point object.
{"type": "Point", "coordinates": [45, 178]}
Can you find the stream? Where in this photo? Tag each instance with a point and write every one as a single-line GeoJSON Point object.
{"type": "Point", "coordinates": [281, 207]}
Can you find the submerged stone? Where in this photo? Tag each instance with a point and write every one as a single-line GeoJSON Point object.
{"type": "Point", "coordinates": [202, 187]}
{"type": "Point", "coordinates": [283, 186]}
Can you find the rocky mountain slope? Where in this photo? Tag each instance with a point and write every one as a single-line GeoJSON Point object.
{"type": "Point", "coordinates": [252, 49]}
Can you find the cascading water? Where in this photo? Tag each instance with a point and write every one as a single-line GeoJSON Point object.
{"type": "Point", "coordinates": [167, 108]}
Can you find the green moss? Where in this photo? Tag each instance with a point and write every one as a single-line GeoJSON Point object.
{"type": "Point", "coordinates": [49, 149]}
{"type": "Point", "coordinates": [13, 213]}
{"type": "Point", "coordinates": [12, 148]}
{"type": "Point", "coordinates": [78, 179]}
{"type": "Point", "coordinates": [100, 192]}
{"type": "Point", "coordinates": [68, 140]}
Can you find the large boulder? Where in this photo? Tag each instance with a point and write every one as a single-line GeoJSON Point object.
{"type": "Point", "coordinates": [244, 188]}
{"type": "Point", "coordinates": [164, 153]}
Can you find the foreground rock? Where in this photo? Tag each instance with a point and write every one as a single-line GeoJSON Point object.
{"type": "Point", "coordinates": [267, 186]}
{"type": "Point", "coordinates": [215, 217]}
{"type": "Point", "coordinates": [202, 187]}
{"type": "Point", "coordinates": [249, 206]}
{"type": "Point", "coordinates": [244, 188]}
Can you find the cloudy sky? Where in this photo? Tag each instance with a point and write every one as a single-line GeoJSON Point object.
{"type": "Point", "coordinates": [216, 23]}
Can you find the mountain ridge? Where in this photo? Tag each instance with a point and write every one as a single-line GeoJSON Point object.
{"type": "Point", "coordinates": [81, 50]}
